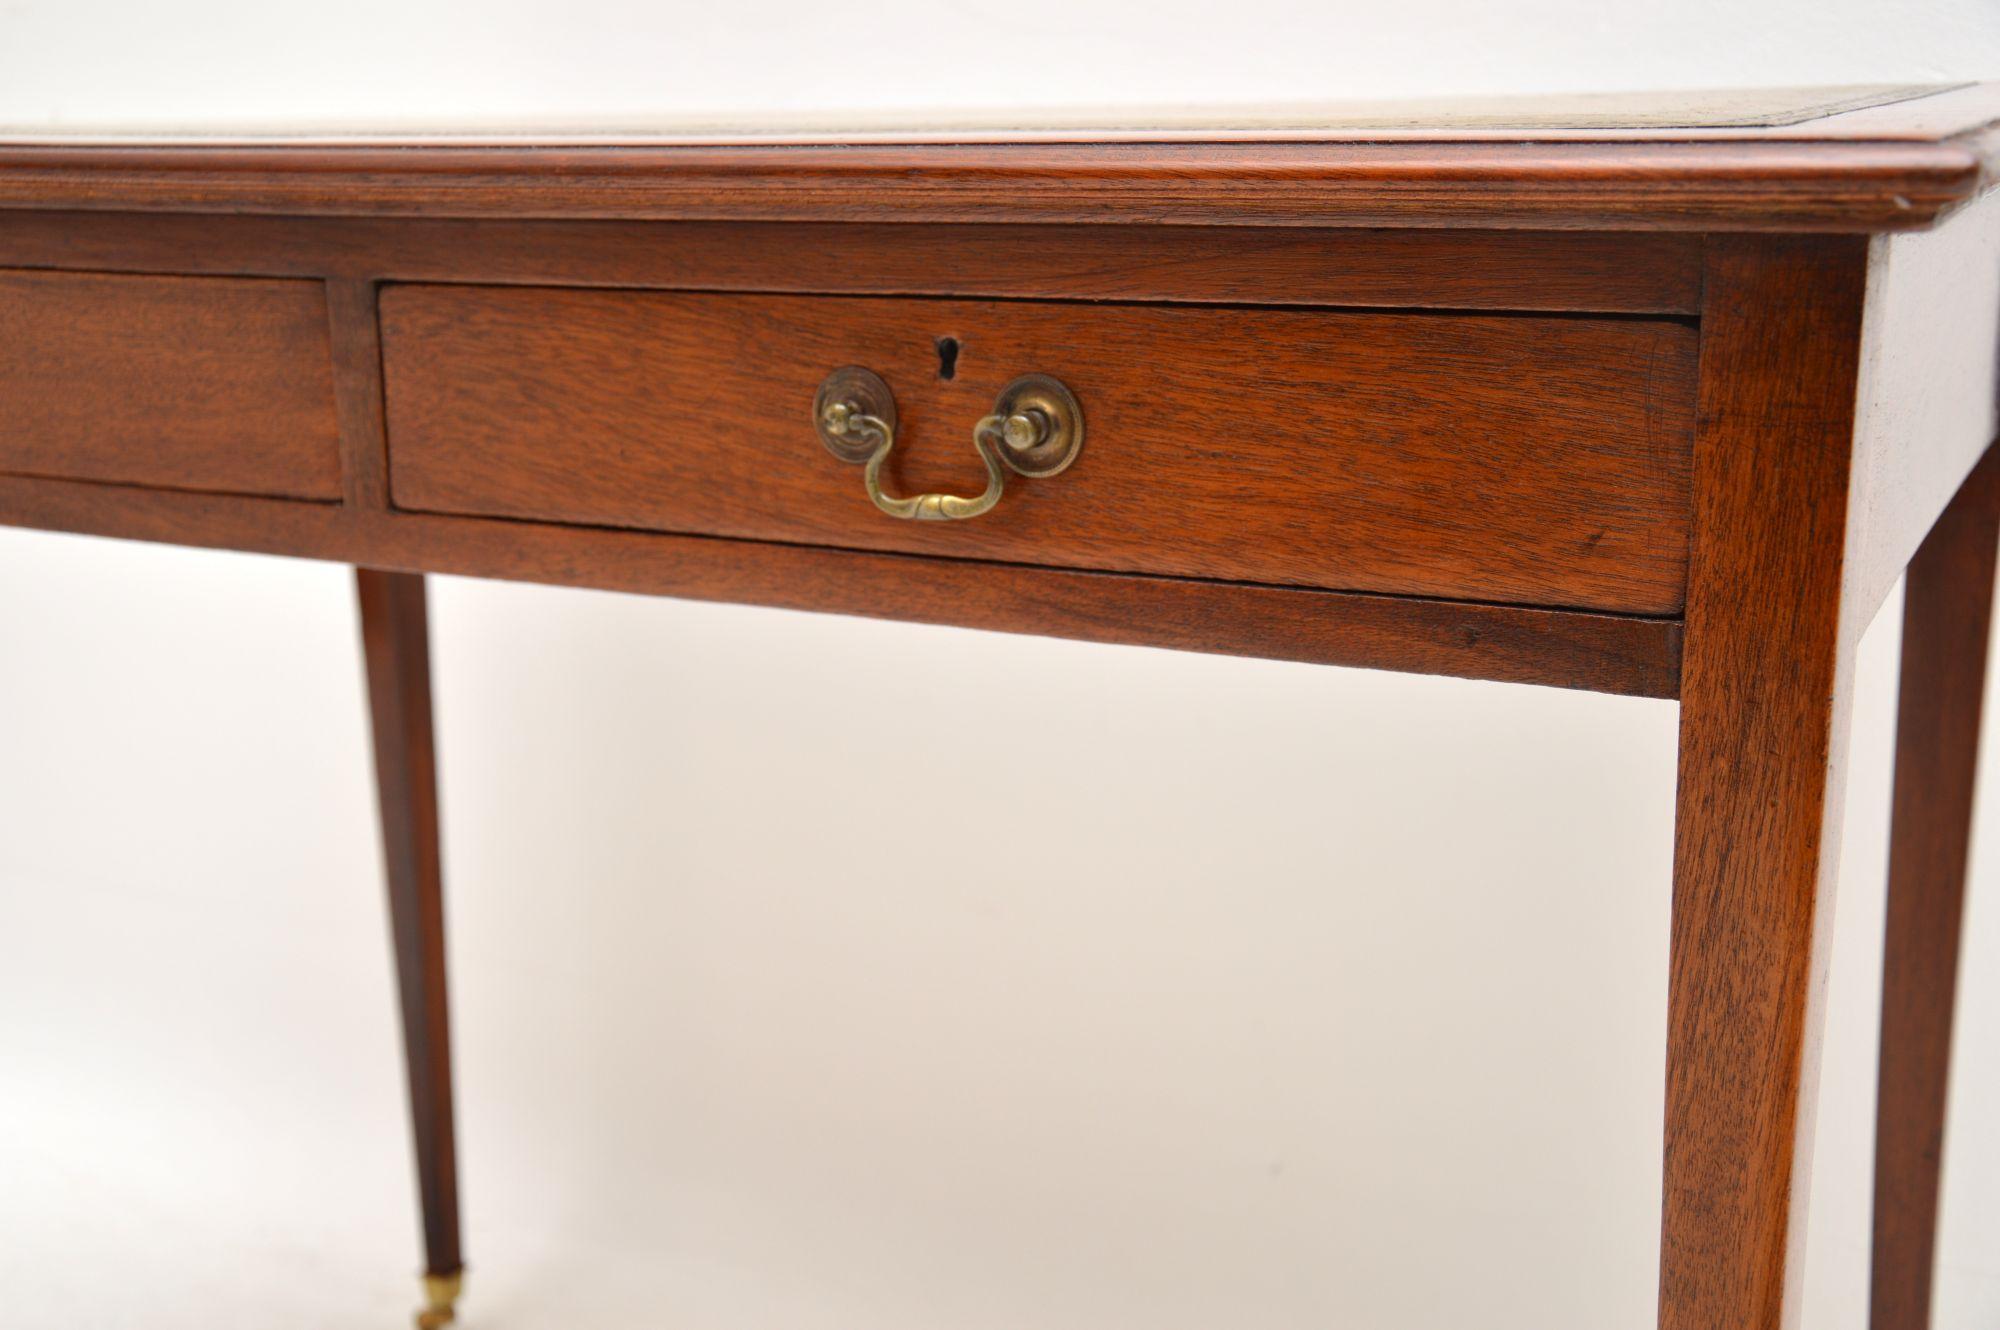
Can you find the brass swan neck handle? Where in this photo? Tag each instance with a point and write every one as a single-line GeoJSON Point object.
{"type": "Point", "coordinates": [1035, 429]}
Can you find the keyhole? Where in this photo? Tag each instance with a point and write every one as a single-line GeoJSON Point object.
{"type": "Point", "coordinates": [947, 349]}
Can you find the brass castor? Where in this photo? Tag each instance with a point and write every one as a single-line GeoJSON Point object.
{"type": "Point", "coordinates": [440, 1301]}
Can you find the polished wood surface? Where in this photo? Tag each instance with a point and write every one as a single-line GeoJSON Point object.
{"type": "Point", "coordinates": [1765, 686]}
{"type": "Point", "coordinates": [1633, 273]}
{"type": "Point", "coordinates": [1661, 413]}
{"type": "Point", "coordinates": [201, 384]}
{"type": "Point", "coordinates": [1273, 446]}
{"type": "Point", "coordinates": [1947, 621]}
{"type": "Point", "coordinates": [1625, 273]}
{"type": "Point", "coordinates": [357, 358]}
{"type": "Point", "coordinates": [395, 641]}
{"type": "Point", "coordinates": [1770, 184]}
{"type": "Point", "coordinates": [1608, 653]}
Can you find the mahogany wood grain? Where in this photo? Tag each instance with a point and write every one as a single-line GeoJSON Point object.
{"type": "Point", "coordinates": [1524, 415]}
{"type": "Point", "coordinates": [1526, 460]}
{"type": "Point", "coordinates": [395, 639]}
{"type": "Point", "coordinates": [1771, 183]}
{"type": "Point", "coordinates": [1635, 272]}
{"type": "Point", "coordinates": [188, 383]}
{"type": "Point", "coordinates": [1765, 688]}
{"type": "Point", "coordinates": [1605, 653]}
{"type": "Point", "coordinates": [1947, 621]}
{"type": "Point", "coordinates": [357, 356]}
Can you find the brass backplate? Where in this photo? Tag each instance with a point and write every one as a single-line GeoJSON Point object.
{"type": "Point", "coordinates": [864, 390]}
{"type": "Point", "coordinates": [1045, 395]}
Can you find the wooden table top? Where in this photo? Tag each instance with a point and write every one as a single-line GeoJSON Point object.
{"type": "Point", "coordinates": [1876, 158]}
{"type": "Point", "coordinates": [1885, 110]}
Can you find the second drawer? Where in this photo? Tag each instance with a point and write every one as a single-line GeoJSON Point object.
{"type": "Point", "coordinates": [1524, 459]}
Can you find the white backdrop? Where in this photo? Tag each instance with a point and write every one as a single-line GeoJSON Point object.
{"type": "Point", "coordinates": [819, 973]}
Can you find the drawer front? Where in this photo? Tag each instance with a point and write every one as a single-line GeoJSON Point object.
{"type": "Point", "coordinates": [214, 384]}
{"type": "Point", "coordinates": [1502, 458]}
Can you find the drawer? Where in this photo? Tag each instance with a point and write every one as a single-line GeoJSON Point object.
{"type": "Point", "coordinates": [215, 384]}
{"type": "Point", "coordinates": [1535, 460]}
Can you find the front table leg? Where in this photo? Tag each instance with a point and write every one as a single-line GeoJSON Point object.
{"type": "Point", "coordinates": [395, 644]}
{"type": "Point", "coordinates": [1765, 686]}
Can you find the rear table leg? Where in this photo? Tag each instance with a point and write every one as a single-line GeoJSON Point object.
{"type": "Point", "coordinates": [1947, 611]}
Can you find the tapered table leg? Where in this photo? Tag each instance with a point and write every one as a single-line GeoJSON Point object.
{"type": "Point", "coordinates": [1765, 687]}
{"type": "Point", "coordinates": [1947, 613]}
{"type": "Point", "coordinates": [395, 645]}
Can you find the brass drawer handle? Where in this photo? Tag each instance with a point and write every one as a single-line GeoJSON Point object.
{"type": "Point", "coordinates": [1036, 429]}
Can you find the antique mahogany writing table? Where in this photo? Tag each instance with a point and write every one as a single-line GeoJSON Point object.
{"type": "Point", "coordinates": [1650, 399]}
